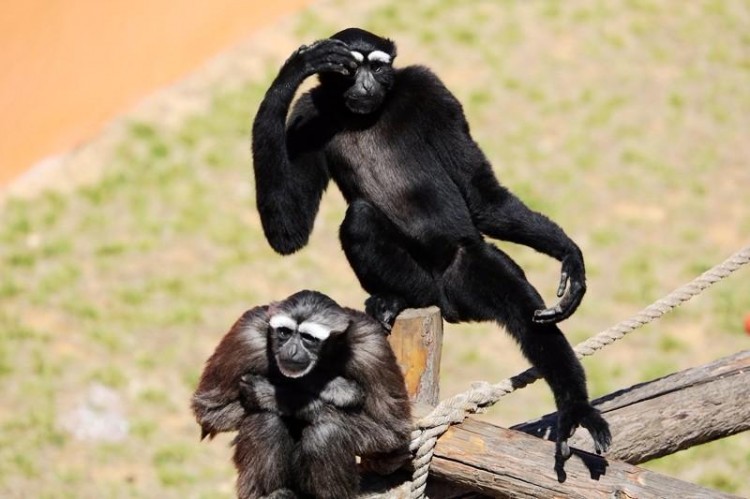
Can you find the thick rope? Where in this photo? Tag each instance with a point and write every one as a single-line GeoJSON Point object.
{"type": "Point", "coordinates": [482, 394]}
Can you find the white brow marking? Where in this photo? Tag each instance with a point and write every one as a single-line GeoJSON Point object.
{"type": "Point", "coordinates": [380, 56]}
{"type": "Point", "coordinates": [281, 320]}
{"type": "Point", "coordinates": [358, 56]}
{"type": "Point", "coordinates": [315, 330]}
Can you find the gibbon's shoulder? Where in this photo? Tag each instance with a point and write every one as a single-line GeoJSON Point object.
{"type": "Point", "coordinates": [421, 87]}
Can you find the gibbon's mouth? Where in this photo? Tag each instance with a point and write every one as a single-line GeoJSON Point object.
{"type": "Point", "coordinates": [294, 370]}
{"type": "Point", "coordinates": [365, 105]}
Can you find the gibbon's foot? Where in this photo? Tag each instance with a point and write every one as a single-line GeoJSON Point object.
{"type": "Point", "coordinates": [384, 308]}
{"type": "Point", "coordinates": [582, 414]}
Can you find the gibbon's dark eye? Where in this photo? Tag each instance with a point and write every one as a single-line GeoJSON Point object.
{"type": "Point", "coordinates": [377, 67]}
{"type": "Point", "coordinates": [284, 333]}
{"type": "Point", "coordinates": [309, 339]}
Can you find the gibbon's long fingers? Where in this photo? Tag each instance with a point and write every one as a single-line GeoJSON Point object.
{"type": "Point", "coordinates": [565, 308]}
{"type": "Point", "coordinates": [548, 315]}
{"type": "Point", "coordinates": [563, 284]}
{"type": "Point", "coordinates": [600, 434]}
{"type": "Point", "coordinates": [342, 63]}
{"type": "Point", "coordinates": [333, 67]}
{"type": "Point", "coordinates": [326, 43]}
{"type": "Point", "coordinates": [328, 56]}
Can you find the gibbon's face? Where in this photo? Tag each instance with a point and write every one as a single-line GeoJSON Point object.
{"type": "Point", "coordinates": [371, 81]}
{"type": "Point", "coordinates": [368, 86]}
{"type": "Point", "coordinates": [298, 329]}
{"type": "Point", "coordinates": [296, 347]}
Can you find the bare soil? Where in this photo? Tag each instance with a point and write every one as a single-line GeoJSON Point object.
{"type": "Point", "coordinates": [69, 67]}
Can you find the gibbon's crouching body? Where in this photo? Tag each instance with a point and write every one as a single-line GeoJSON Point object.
{"type": "Point", "coordinates": [307, 385]}
{"type": "Point", "coordinates": [421, 197]}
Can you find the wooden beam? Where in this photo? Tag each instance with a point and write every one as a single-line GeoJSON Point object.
{"type": "Point", "coordinates": [669, 414]}
{"type": "Point", "coordinates": [504, 463]}
{"type": "Point", "coordinates": [417, 341]}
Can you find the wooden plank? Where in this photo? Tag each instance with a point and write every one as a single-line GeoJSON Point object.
{"type": "Point", "coordinates": [669, 414]}
{"type": "Point", "coordinates": [504, 463]}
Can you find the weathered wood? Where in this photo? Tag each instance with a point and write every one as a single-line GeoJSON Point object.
{"type": "Point", "coordinates": [504, 463]}
{"type": "Point", "coordinates": [417, 340]}
{"type": "Point", "coordinates": [663, 416]}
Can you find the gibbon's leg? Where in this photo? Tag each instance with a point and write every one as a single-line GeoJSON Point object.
{"type": "Point", "coordinates": [324, 463]}
{"type": "Point", "coordinates": [379, 255]}
{"type": "Point", "coordinates": [262, 456]}
{"type": "Point", "coordinates": [484, 283]}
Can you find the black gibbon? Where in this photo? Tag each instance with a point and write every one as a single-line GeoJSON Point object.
{"type": "Point", "coordinates": [421, 197]}
{"type": "Point", "coordinates": [309, 386]}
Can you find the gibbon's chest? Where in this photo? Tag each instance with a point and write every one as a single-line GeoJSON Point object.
{"type": "Point", "coordinates": [400, 173]}
{"type": "Point", "coordinates": [368, 164]}
{"type": "Point", "coordinates": [380, 162]}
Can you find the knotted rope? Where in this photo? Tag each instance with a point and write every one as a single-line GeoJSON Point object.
{"type": "Point", "coordinates": [482, 394]}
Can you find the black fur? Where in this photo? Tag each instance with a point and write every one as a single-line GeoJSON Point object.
{"type": "Point", "coordinates": [421, 196]}
{"type": "Point", "coordinates": [300, 436]}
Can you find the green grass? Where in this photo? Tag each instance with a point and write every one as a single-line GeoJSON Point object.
{"type": "Point", "coordinates": [625, 122]}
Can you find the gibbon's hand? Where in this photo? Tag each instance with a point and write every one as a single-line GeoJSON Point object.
{"type": "Point", "coordinates": [258, 394]}
{"type": "Point", "coordinates": [571, 290]}
{"type": "Point", "coordinates": [323, 56]}
{"type": "Point", "coordinates": [342, 393]}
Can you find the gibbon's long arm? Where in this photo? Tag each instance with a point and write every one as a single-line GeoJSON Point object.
{"type": "Point", "coordinates": [290, 170]}
{"type": "Point", "coordinates": [498, 213]}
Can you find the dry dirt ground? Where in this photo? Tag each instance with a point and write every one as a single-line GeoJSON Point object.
{"type": "Point", "coordinates": [69, 67]}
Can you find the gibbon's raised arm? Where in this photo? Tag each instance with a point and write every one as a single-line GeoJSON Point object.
{"type": "Point", "coordinates": [290, 170]}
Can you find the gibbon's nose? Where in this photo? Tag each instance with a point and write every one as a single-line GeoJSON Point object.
{"type": "Point", "coordinates": [292, 350]}
{"type": "Point", "coordinates": [364, 84]}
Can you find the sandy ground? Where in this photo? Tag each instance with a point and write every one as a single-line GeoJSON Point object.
{"type": "Point", "coordinates": [69, 67]}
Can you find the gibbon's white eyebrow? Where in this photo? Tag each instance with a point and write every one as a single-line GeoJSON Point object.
{"type": "Point", "coordinates": [358, 56]}
{"type": "Point", "coordinates": [281, 320]}
{"type": "Point", "coordinates": [380, 56]}
{"type": "Point", "coordinates": [315, 330]}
